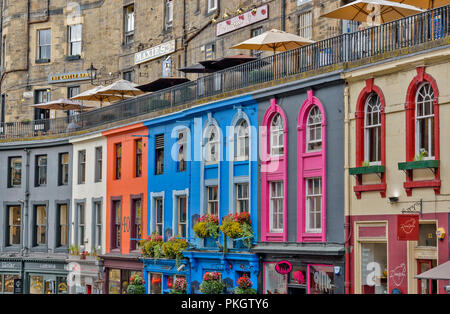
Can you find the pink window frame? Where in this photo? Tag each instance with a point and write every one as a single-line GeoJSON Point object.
{"type": "Point", "coordinates": [264, 277]}
{"type": "Point", "coordinates": [310, 165]}
{"type": "Point", "coordinates": [272, 169]}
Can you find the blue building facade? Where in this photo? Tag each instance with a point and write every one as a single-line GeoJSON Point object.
{"type": "Point", "coordinates": [202, 160]}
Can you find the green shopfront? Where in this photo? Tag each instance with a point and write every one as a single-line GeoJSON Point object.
{"type": "Point", "coordinates": [10, 270]}
{"type": "Point", "coordinates": [45, 277]}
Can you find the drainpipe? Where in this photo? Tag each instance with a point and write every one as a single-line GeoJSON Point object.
{"type": "Point", "coordinates": [26, 203]}
{"type": "Point", "coordinates": [184, 36]}
{"type": "Point", "coordinates": [283, 15]}
{"type": "Point", "coordinates": [347, 225]}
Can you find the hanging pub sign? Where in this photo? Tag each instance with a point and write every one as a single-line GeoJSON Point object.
{"type": "Point", "coordinates": [242, 20]}
{"type": "Point", "coordinates": [283, 267]}
{"type": "Point", "coordinates": [408, 227]}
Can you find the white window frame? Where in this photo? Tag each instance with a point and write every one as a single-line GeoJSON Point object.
{"type": "Point", "coordinates": [316, 125]}
{"type": "Point", "coordinates": [80, 225]}
{"type": "Point", "coordinates": [169, 13]}
{"type": "Point", "coordinates": [212, 5]}
{"type": "Point", "coordinates": [98, 208]}
{"type": "Point", "coordinates": [423, 103]}
{"type": "Point", "coordinates": [242, 198]}
{"type": "Point", "coordinates": [157, 225]}
{"type": "Point", "coordinates": [77, 40]}
{"type": "Point", "coordinates": [211, 202]}
{"type": "Point", "coordinates": [212, 143]}
{"type": "Point", "coordinates": [276, 134]}
{"type": "Point", "coordinates": [272, 200]}
{"type": "Point", "coordinates": [40, 46]}
{"type": "Point", "coordinates": [242, 132]}
{"type": "Point", "coordinates": [182, 143]}
{"type": "Point", "coordinates": [317, 197]}
{"type": "Point", "coordinates": [369, 126]}
{"type": "Point", "coordinates": [305, 24]}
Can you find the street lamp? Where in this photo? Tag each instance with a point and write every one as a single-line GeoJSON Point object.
{"type": "Point", "coordinates": [92, 73]}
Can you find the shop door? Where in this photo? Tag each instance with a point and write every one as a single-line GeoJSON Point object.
{"type": "Point", "coordinates": [426, 286]}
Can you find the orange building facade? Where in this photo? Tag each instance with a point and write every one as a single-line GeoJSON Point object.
{"type": "Point", "coordinates": [126, 209]}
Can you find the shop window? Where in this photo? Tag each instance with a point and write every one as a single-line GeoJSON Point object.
{"type": "Point", "coordinates": [36, 284]}
{"type": "Point", "coordinates": [169, 282]}
{"type": "Point", "coordinates": [159, 154]}
{"type": "Point", "coordinates": [14, 171]}
{"type": "Point", "coordinates": [374, 268]}
{"type": "Point", "coordinates": [155, 281]}
{"type": "Point", "coordinates": [242, 148]}
{"type": "Point", "coordinates": [297, 280]}
{"type": "Point", "coordinates": [114, 281]}
{"type": "Point", "coordinates": [212, 202]}
{"type": "Point", "coordinates": [81, 166]}
{"type": "Point", "coordinates": [242, 198]}
{"type": "Point", "coordinates": [14, 225]}
{"type": "Point", "coordinates": [274, 283]}
{"type": "Point", "coordinates": [118, 161]}
{"type": "Point", "coordinates": [138, 157]}
{"type": "Point", "coordinates": [63, 169]}
{"type": "Point", "coordinates": [320, 279]}
{"type": "Point", "coordinates": [427, 234]}
{"type": "Point", "coordinates": [40, 225]}
{"type": "Point", "coordinates": [8, 283]}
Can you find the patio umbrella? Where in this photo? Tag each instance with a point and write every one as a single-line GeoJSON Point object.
{"type": "Point", "coordinates": [196, 68]}
{"type": "Point", "coordinates": [361, 10]}
{"type": "Point", "coordinates": [440, 272]}
{"type": "Point", "coordinates": [227, 62]}
{"type": "Point", "coordinates": [274, 40]}
{"type": "Point", "coordinates": [92, 95]}
{"type": "Point", "coordinates": [424, 4]}
{"type": "Point", "coordinates": [61, 104]}
{"type": "Point", "coordinates": [122, 88]}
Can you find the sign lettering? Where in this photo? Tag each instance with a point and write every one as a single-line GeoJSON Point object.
{"type": "Point", "coordinates": [408, 227]}
{"type": "Point", "coordinates": [68, 77]}
{"type": "Point", "coordinates": [154, 52]}
{"type": "Point", "coordinates": [243, 20]}
{"type": "Point", "coordinates": [283, 267]}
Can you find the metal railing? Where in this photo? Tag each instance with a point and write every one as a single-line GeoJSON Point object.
{"type": "Point", "coordinates": [407, 32]}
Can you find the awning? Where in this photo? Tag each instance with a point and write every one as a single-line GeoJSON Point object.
{"type": "Point", "coordinates": [196, 68]}
{"type": "Point", "coordinates": [162, 83]}
{"type": "Point", "coordinates": [440, 272]}
{"type": "Point", "coordinates": [227, 62]}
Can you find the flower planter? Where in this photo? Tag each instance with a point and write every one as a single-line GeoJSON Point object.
{"type": "Point", "coordinates": [210, 242]}
{"type": "Point", "coordinates": [238, 244]}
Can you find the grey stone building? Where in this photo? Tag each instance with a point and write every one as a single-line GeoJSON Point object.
{"type": "Point", "coordinates": [35, 193]}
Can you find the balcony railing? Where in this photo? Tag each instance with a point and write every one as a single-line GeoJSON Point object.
{"type": "Point", "coordinates": [411, 31]}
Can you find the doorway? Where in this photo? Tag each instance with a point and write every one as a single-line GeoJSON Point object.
{"type": "Point", "coordinates": [426, 286]}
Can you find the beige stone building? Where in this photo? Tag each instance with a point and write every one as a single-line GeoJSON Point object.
{"type": "Point", "coordinates": [47, 46]}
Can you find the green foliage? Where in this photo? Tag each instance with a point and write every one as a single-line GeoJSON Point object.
{"type": "Point", "coordinates": [136, 285]}
{"type": "Point", "coordinates": [366, 163]}
{"type": "Point", "coordinates": [231, 228]}
{"type": "Point", "coordinates": [152, 247]}
{"type": "Point", "coordinates": [174, 248]}
{"type": "Point", "coordinates": [421, 156]}
{"type": "Point", "coordinates": [212, 284]}
{"type": "Point", "coordinates": [207, 226]}
{"type": "Point", "coordinates": [239, 290]}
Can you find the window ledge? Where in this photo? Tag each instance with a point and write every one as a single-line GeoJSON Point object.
{"type": "Point", "coordinates": [421, 164]}
{"type": "Point", "coordinates": [72, 58]}
{"type": "Point", "coordinates": [366, 170]}
{"type": "Point", "coordinates": [39, 61]}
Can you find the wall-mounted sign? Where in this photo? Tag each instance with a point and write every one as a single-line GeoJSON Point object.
{"type": "Point", "coordinates": [167, 67]}
{"type": "Point", "coordinates": [154, 52]}
{"type": "Point", "coordinates": [283, 267]}
{"type": "Point", "coordinates": [10, 265]}
{"type": "Point", "coordinates": [68, 77]}
{"type": "Point", "coordinates": [243, 20]}
{"type": "Point", "coordinates": [18, 286]}
{"type": "Point", "coordinates": [408, 227]}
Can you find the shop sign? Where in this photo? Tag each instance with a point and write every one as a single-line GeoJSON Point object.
{"type": "Point", "coordinates": [321, 279]}
{"type": "Point", "coordinates": [154, 52]}
{"type": "Point", "coordinates": [18, 286]}
{"type": "Point", "coordinates": [10, 265]}
{"type": "Point", "coordinates": [283, 267]}
{"type": "Point", "coordinates": [243, 20]}
{"type": "Point", "coordinates": [408, 227]}
{"type": "Point", "coordinates": [68, 77]}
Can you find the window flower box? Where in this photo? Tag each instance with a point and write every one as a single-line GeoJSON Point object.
{"type": "Point", "coordinates": [210, 242]}
{"type": "Point", "coordinates": [420, 164]}
{"type": "Point", "coordinates": [367, 170]}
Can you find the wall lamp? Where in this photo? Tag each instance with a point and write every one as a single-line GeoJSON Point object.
{"type": "Point", "coordinates": [393, 199]}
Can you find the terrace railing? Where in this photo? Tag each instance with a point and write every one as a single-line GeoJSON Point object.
{"type": "Point", "coordinates": [411, 31]}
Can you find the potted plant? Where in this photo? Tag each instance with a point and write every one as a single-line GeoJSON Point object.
{"type": "Point", "coordinates": [207, 228]}
{"type": "Point", "coordinates": [174, 248]}
{"type": "Point", "coordinates": [136, 285]}
{"type": "Point", "coordinates": [212, 283]}
{"type": "Point", "coordinates": [244, 286]}
{"type": "Point", "coordinates": [236, 226]}
{"type": "Point", "coordinates": [152, 247]}
{"type": "Point", "coordinates": [83, 254]}
{"type": "Point", "coordinates": [179, 286]}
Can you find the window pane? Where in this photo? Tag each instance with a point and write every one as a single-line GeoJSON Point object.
{"type": "Point", "coordinates": [14, 225]}
{"type": "Point", "coordinates": [41, 225]}
{"type": "Point", "coordinates": [155, 283]}
{"type": "Point", "coordinates": [114, 281]}
{"type": "Point", "coordinates": [36, 284]}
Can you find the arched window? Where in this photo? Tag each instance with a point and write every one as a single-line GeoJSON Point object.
{"type": "Point", "coordinates": [425, 121]}
{"type": "Point", "coordinates": [276, 136]}
{"type": "Point", "coordinates": [314, 130]}
{"type": "Point", "coordinates": [241, 151]}
{"type": "Point", "coordinates": [212, 145]}
{"type": "Point", "coordinates": [372, 129]}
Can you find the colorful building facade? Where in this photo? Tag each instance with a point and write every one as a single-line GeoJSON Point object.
{"type": "Point", "coordinates": [209, 167]}
{"type": "Point", "coordinates": [396, 176]}
{"type": "Point", "coordinates": [126, 205]}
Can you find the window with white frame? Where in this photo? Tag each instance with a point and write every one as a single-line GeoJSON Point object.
{"type": "Point", "coordinates": [276, 206]}
{"type": "Point", "coordinates": [212, 200]}
{"type": "Point", "coordinates": [242, 147]}
{"type": "Point", "coordinates": [44, 44]}
{"type": "Point", "coordinates": [129, 23]}
{"type": "Point", "coordinates": [81, 223]}
{"type": "Point", "coordinates": [425, 121]}
{"type": "Point", "coordinates": [158, 214]}
{"type": "Point", "coordinates": [182, 216]}
{"type": "Point", "coordinates": [181, 158]}
{"type": "Point", "coordinates": [276, 136]}
{"type": "Point", "coordinates": [212, 5]}
{"type": "Point", "coordinates": [98, 224]}
{"type": "Point", "coordinates": [242, 198]}
{"type": "Point", "coordinates": [314, 130]}
{"type": "Point", "coordinates": [212, 145]}
{"type": "Point", "coordinates": [313, 205]}
{"type": "Point", "coordinates": [305, 25]}
{"type": "Point", "coordinates": [169, 13]}
{"type": "Point", "coordinates": [75, 40]}
{"type": "Point", "coordinates": [40, 219]}
{"type": "Point", "coordinates": [372, 129]}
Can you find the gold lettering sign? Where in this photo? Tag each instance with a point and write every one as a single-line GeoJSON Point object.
{"type": "Point", "coordinates": [55, 78]}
